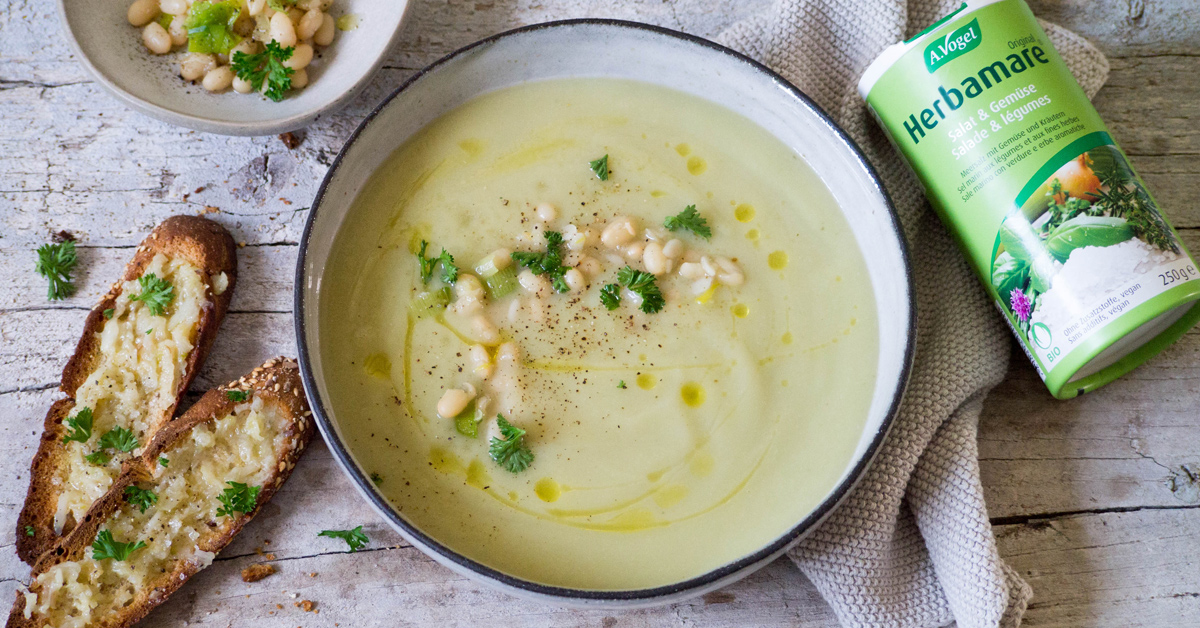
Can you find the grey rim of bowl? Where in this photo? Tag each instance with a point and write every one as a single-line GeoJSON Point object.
{"type": "Point", "coordinates": [776, 547]}
{"type": "Point", "coordinates": [220, 127]}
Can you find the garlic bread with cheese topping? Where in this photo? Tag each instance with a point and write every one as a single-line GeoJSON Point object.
{"type": "Point", "coordinates": [141, 346]}
{"type": "Point", "coordinates": [177, 504]}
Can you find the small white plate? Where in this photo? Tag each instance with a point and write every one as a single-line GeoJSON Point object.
{"type": "Point", "coordinates": [112, 51]}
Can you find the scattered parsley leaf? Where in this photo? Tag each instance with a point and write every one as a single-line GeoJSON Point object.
{"type": "Point", "coordinates": [29, 531]}
{"type": "Point", "coordinates": [120, 439]}
{"type": "Point", "coordinates": [98, 458]}
{"type": "Point", "coordinates": [106, 547]}
{"type": "Point", "coordinates": [237, 396]}
{"type": "Point", "coordinates": [643, 285]}
{"type": "Point", "coordinates": [621, 385]}
{"type": "Point", "coordinates": [108, 314]}
{"type": "Point", "coordinates": [163, 461]}
{"type": "Point", "coordinates": [266, 66]}
{"type": "Point", "coordinates": [377, 479]}
{"type": "Point", "coordinates": [80, 426]}
{"type": "Point", "coordinates": [355, 538]}
{"type": "Point", "coordinates": [140, 497]}
{"type": "Point", "coordinates": [600, 167]}
{"type": "Point", "coordinates": [157, 293]}
{"type": "Point", "coordinates": [281, 5]}
{"type": "Point", "coordinates": [237, 498]}
{"type": "Point", "coordinates": [210, 26]}
{"type": "Point", "coordinates": [449, 270]}
{"type": "Point", "coordinates": [610, 296]}
{"type": "Point", "coordinates": [426, 263]}
{"type": "Point", "coordinates": [547, 263]}
{"type": "Point", "coordinates": [691, 220]}
{"type": "Point", "coordinates": [149, 330]}
{"type": "Point", "coordinates": [55, 262]}
{"type": "Point", "coordinates": [511, 453]}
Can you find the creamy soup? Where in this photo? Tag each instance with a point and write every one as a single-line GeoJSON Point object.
{"type": "Point", "coordinates": [657, 445]}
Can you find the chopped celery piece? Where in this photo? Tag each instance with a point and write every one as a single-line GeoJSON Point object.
{"type": "Point", "coordinates": [429, 303]}
{"type": "Point", "coordinates": [465, 422]}
{"type": "Point", "coordinates": [486, 267]}
{"type": "Point", "coordinates": [210, 26]}
{"type": "Point", "coordinates": [502, 282]}
{"type": "Point", "coordinates": [164, 20]}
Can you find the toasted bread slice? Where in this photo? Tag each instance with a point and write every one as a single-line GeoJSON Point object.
{"type": "Point", "coordinates": [129, 370]}
{"type": "Point", "coordinates": [253, 441]}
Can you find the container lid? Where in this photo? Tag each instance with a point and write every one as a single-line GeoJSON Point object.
{"type": "Point", "coordinates": [894, 52]}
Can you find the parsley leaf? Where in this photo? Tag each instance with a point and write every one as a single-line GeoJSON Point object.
{"type": "Point", "coordinates": [546, 263]}
{"type": "Point", "coordinates": [610, 296]}
{"type": "Point", "coordinates": [29, 531]}
{"type": "Point", "coordinates": [80, 426]}
{"type": "Point", "coordinates": [55, 262]}
{"type": "Point", "coordinates": [355, 538]}
{"type": "Point", "coordinates": [237, 396]}
{"type": "Point", "coordinates": [157, 293]}
{"type": "Point", "coordinates": [600, 167]}
{"type": "Point", "coordinates": [643, 285]}
{"type": "Point", "coordinates": [210, 26]}
{"type": "Point", "coordinates": [377, 479]}
{"type": "Point", "coordinates": [120, 439]}
{"type": "Point", "coordinates": [511, 453]}
{"type": "Point", "coordinates": [163, 461]}
{"type": "Point", "coordinates": [98, 458]}
{"type": "Point", "coordinates": [266, 66]}
{"type": "Point", "coordinates": [449, 270]}
{"type": "Point", "coordinates": [108, 314]}
{"type": "Point", "coordinates": [106, 547]}
{"type": "Point", "coordinates": [690, 220]}
{"type": "Point", "coordinates": [140, 497]}
{"type": "Point", "coordinates": [621, 385]}
{"type": "Point", "coordinates": [281, 5]}
{"type": "Point", "coordinates": [237, 498]}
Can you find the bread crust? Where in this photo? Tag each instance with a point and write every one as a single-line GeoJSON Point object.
{"type": "Point", "coordinates": [275, 382]}
{"type": "Point", "coordinates": [209, 247]}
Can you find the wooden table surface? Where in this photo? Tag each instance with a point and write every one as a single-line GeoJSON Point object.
{"type": "Point", "coordinates": [1095, 501]}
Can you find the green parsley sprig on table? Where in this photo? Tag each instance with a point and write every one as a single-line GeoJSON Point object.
{"type": "Point", "coordinates": [511, 452]}
{"type": "Point", "coordinates": [139, 497]}
{"type": "Point", "coordinates": [690, 220]}
{"type": "Point", "coordinates": [105, 546]}
{"type": "Point", "coordinates": [157, 293]}
{"type": "Point", "coordinates": [548, 262]}
{"type": "Point", "coordinates": [79, 426]}
{"type": "Point", "coordinates": [355, 538]}
{"type": "Point", "coordinates": [55, 262]}
{"type": "Point", "coordinates": [237, 498]}
{"type": "Point", "coordinates": [642, 284]}
{"type": "Point", "coordinates": [266, 67]}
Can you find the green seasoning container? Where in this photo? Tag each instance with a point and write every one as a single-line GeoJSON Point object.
{"type": "Point", "coordinates": [1064, 234]}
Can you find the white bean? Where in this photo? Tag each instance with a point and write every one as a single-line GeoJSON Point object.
{"type": "Point", "coordinates": [534, 284]}
{"type": "Point", "coordinates": [295, 15]}
{"type": "Point", "coordinates": [654, 259]}
{"type": "Point", "coordinates": [619, 231]}
{"type": "Point", "coordinates": [710, 268]}
{"type": "Point", "coordinates": [508, 352]}
{"type": "Point", "coordinates": [256, 7]}
{"type": "Point", "coordinates": [468, 295]}
{"type": "Point", "coordinates": [484, 330]}
{"type": "Point", "coordinates": [156, 38]}
{"type": "Point", "coordinates": [195, 65]}
{"type": "Point", "coordinates": [174, 7]}
{"type": "Point", "coordinates": [142, 11]}
{"type": "Point", "coordinates": [248, 46]}
{"type": "Point", "coordinates": [178, 31]}
{"type": "Point", "coordinates": [309, 24]}
{"type": "Point", "coordinates": [325, 33]}
{"type": "Point", "coordinates": [453, 402]}
{"type": "Point", "coordinates": [299, 79]}
{"type": "Point", "coordinates": [301, 57]}
{"type": "Point", "coordinates": [242, 86]}
{"type": "Point", "coordinates": [481, 362]}
{"type": "Point", "coordinates": [633, 252]}
{"type": "Point", "coordinates": [691, 270]}
{"type": "Point", "coordinates": [575, 280]}
{"type": "Point", "coordinates": [673, 249]}
{"type": "Point", "coordinates": [218, 80]}
{"type": "Point", "coordinates": [282, 30]}
{"type": "Point", "coordinates": [546, 212]}
{"type": "Point", "coordinates": [730, 274]}
{"type": "Point", "coordinates": [590, 266]}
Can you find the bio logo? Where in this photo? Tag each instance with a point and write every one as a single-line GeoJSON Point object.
{"type": "Point", "coordinates": [957, 43]}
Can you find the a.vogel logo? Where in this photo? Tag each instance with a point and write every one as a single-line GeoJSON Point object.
{"type": "Point", "coordinates": [955, 44]}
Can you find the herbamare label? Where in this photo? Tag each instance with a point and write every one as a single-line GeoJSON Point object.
{"type": "Point", "coordinates": [1015, 159]}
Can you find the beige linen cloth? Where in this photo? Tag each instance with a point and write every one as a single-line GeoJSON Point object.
{"type": "Point", "coordinates": [912, 546]}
